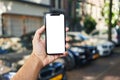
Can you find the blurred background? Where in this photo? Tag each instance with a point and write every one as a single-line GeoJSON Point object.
{"type": "Point", "coordinates": [23, 16]}
{"type": "Point", "coordinates": [93, 31]}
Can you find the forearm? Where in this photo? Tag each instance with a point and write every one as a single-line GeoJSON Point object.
{"type": "Point", "coordinates": [30, 70]}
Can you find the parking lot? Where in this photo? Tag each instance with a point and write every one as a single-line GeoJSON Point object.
{"type": "Point", "coordinates": [104, 68]}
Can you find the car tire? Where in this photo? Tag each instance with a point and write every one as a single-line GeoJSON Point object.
{"type": "Point", "coordinates": [69, 61]}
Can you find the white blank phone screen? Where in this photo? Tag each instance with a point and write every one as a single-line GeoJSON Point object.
{"type": "Point", "coordinates": [55, 33]}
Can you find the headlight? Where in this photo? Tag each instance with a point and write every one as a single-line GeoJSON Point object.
{"type": "Point", "coordinates": [76, 49]}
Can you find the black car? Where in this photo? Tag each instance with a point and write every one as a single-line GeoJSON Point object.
{"type": "Point", "coordinates": [82, 56]}
{"type": "Point", "coordinates": [94, 52]}
{"type": "Point", "coordinates": [53, 71]}
{"type": "Point", "coordinates": [91, 52]}
{"type": "Point", "coordinates": [26, 40]}
{"type": "Point", "coordinates": [79, 56]}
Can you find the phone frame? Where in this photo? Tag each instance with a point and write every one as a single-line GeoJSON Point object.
{"type": "Point", "coordinates": [54, 13]}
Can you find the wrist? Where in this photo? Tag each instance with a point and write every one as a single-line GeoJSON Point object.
{"type": "Point", "coordinates": [37, 60]}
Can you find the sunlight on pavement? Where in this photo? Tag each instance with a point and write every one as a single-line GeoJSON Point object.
{"type": "Point", "coordinates": [88, 78]}
{"type": "Point", "coordinates": [112, 78]}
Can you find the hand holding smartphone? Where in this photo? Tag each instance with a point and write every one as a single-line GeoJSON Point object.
{"type": "Point", "coordinates": [55, 32]}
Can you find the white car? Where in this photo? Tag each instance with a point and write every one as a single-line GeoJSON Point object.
{"type": "Point", "coordinates": [104, 46]}
{"type": "Point", "coordinates": [104, 35]}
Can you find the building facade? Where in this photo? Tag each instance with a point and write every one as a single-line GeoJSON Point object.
{"type": "Point", "coordinates": [18, 17]}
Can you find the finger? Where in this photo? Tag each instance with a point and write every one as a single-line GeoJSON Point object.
{"type": "Point", "coordinates": [39, 32]}
{"type": "Point", "coordinates": [67, 39]}
{"type": "Point", "coordinates": [67, 46]}
{"type": "Point", "coordinates": [67, 29]}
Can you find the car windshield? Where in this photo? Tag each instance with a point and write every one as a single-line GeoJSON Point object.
{"type": "Point", "coordinates": [103, 32]}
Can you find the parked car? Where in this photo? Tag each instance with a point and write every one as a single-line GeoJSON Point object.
{"type": "Point", "coordinates": [104, 46]}
{"type": "Point", "coordinates": [79, 56]}
{"type": "Point", "coordinates": [104, 35]}
{"type": "Point", "coordinates": [76, 37]}
{"type": "Point", "coordinates": [94, 52]}
{"type": "Point", "coordinates": [26, 39]}
{"type": "Point", "coordinates": [76, 57]}
{"type": "Point", "coordinates": [68, 61]}
{"type": "Point", "coordinates": [82, 56]}
{"type": "Point", "coordinates": [5, 67]}
{"type": "Point", "coordinates": [10, 44]}
{"type": "Point", "coordinates": [90, 51]}
{"type": "Point", "coordinates": [53, 71]}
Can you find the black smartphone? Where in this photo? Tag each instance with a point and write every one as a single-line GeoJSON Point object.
{"type": "Point", "coordinates": [55, 33]}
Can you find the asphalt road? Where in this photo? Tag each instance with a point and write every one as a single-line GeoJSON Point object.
{"type": "Point", "coordinates": [104, 68]}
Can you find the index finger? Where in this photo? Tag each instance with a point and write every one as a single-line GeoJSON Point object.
{"type": "Point", "coordinates": [67, 29]}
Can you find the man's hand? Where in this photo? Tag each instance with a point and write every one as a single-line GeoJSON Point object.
{"type": "Point", "coordinates": [39, 48]}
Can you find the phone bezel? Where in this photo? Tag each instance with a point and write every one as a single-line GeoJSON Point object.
{"type": "Point", "coordinates": [57, 13]}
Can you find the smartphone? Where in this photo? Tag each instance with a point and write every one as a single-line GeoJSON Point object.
{"type": "Point", "coordinates": [55, 33]}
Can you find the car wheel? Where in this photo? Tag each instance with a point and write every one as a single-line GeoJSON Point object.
{"type": "Point", "coordinates": [69, 61]}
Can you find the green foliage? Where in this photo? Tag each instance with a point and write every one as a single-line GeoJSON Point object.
{"type": "Point", "coordinates": [89, 23]}
{"type": "Point", "coordinates": [105, 13]}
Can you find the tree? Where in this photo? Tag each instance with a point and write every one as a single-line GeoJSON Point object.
{"type": "Point", "coordinates": [89, 24]}
{"type": "Point", "coordinates": [106, 12]}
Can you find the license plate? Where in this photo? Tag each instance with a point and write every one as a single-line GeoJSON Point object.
{"type": "Point", "coordinates": [58, 77]}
